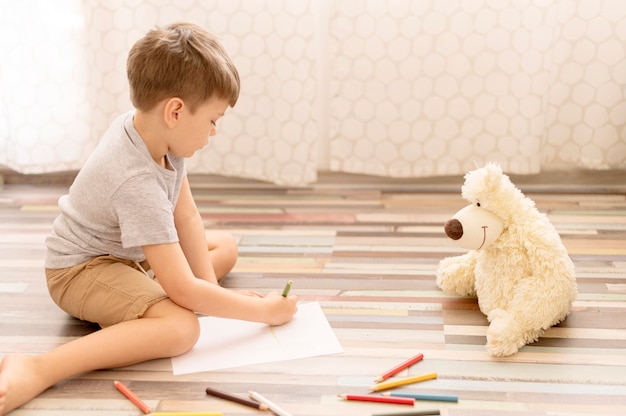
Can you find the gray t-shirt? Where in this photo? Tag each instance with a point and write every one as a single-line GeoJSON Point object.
{"type": "Point", "coordinates": [120, 200]}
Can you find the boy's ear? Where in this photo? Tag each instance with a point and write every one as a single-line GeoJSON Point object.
{"type": "Point", "coordinates": [172, 111]}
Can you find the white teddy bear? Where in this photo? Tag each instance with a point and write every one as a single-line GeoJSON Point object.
{"type": "Point", "coordinates": [518, 267]}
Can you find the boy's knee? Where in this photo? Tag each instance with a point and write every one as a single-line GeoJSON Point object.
{"type": "Point", "coordinates": [224, 252]}
{"type": "Point", "coordinates": [231, 251]}
{"type": "Point", "coordinates": [181, 330]}
{"type": "Point", "coordinates": [185, 333]}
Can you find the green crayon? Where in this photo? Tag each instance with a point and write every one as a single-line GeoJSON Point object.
{"type": "Point", "coordinates": [287, 288]}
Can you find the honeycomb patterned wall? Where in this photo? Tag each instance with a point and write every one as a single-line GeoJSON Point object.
{"type": "Point", "coordinates": [426, 88]}
{"type": "Point", "coordinates": [393, 88]}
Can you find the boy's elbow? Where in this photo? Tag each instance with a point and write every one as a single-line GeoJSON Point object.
{"type": "Point", "coordinates": [181, 293]}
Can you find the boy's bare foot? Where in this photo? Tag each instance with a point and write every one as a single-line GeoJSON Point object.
{"type": "Point", "coordinates": [20, 381]}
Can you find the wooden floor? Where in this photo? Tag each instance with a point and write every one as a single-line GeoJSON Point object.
{"type": "Point", "coordinates": [366, 249]}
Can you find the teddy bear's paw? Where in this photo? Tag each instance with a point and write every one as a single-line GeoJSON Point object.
{"type": "Point", "coordinates": [455, 278]}
{"type": "Point", "coordinates": [500, 347]}
{"type": "Point", "coordinates": [447, 284]}
{"type": "Point", "coordinates": [503, 335]}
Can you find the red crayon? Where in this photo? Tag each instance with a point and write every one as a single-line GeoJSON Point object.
{"type": "Point", "coordinates": [379, 399]}
{"type": "Point", "coordinates": [400, 367]}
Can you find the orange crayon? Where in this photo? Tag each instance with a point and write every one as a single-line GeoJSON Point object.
{"type": "Point", "coordinates": [132, 397]}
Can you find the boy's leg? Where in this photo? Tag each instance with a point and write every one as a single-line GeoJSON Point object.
{"type": "Point", "coordinates": [165, 330]}
{"type": "Point", "coordinates": [223, 251]}
{"type": "Point", "coordinates": [140, 322]}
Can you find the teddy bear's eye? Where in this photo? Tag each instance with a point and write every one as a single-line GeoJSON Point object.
{"type": "Point", "coordinates": [477, 204]}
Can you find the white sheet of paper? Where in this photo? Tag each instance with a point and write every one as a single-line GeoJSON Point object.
{"type": "Point", "coordinates": [227, 343]}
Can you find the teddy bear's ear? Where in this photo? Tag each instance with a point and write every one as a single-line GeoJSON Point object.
{"type": "Point", "coordinates": [494, 167]}
{"type": "Point", "coordinates": [481, 182]}
{"type": "Point", "coordinates": [493, 176]}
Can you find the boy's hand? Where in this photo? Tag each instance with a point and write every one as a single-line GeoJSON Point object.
{"type": "Point", "coordinates": [280, 309]}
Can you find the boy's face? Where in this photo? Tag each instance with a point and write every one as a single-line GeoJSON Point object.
{"type": "Point", "coordinates": [193, 130]}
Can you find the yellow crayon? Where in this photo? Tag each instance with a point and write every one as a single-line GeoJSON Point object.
{"type": "Point", "coordinates": [403, 381]}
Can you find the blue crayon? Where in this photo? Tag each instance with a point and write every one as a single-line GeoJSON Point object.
{"type": "Point", "coordinates": [431, 397]}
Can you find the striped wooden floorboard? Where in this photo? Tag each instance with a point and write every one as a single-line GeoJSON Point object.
{"type": "Point", "coordinates": [366, 249]}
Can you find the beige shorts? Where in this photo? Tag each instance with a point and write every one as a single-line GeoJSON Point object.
{"type": "Point", "coordinates": [105, 290]}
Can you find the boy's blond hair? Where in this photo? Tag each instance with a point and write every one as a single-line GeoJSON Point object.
{"type": "Point", "coordinates": [183, 60]}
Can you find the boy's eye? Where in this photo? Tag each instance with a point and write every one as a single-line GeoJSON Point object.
{"type": "Point", "coordinates": [213, 122]}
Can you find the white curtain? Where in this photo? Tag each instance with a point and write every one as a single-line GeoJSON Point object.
{"type": "Point", "coordinates": [428, 88]}
{"type": "Point", "coordinates": [402, 88]}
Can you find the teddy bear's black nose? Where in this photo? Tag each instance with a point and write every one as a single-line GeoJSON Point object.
{"type": "Point", "coordinates": [454, 229]}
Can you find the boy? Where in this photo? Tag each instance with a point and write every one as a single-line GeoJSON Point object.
{"type": "Point", "coordinates": [128, 250]}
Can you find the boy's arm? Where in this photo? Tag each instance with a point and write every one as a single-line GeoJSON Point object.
{"type": "Point", "coordinates": [175, 276]}
{"type": "Point", "coordinates": [191, 235]}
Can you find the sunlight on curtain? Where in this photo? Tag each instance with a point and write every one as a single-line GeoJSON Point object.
{"type": "Point", "coordinates": [398, 88]}
{"type": "Point", "coordinates": [43, 78]}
